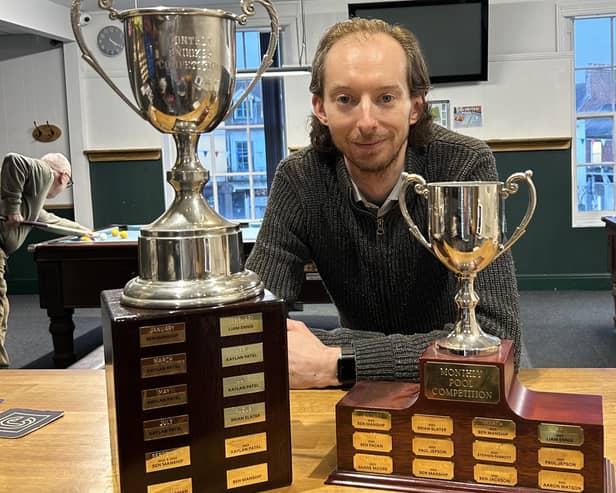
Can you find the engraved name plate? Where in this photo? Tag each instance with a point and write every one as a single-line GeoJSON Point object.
{"type": "Point", "coordinates": [561, 481]}
{"type": "Point", "coordinates": [167, 459]}
{"type": "Point", "coordinates": [168, 364]}
{"type": "Point", "coordinates": [462, 382]}
{"type": "Point", "coordinates": [245, 444]}
{"type": "Point", "coordinates": [434, 469]}
{"type": "Point", "coordinates": [432, 425]}
{"type": "Point", "coordinates": [494, 451]}
{"type": "Point", "coordinates": [377, 442]}
{"type": "Point", "coordinates": [503, 429]}
{"type": "Point", "coordinates": [244, 476]}
{"type": "Point", "coordinates": [380, 464]}
{"type": "Point", "coordinates": [552, 433]}
{"type": "Point", "coordinates": [236, 325]}
{"type": "Point", "coordinates": [243, 384]}
{"type": "Point", "coordinates": [173, 395]}
{"type": "Point", "coordinates": [489, 474]}
{"type": "Point", "coordinates": [433, 447]}
{"type": "Point", "coordinates": [242, 355]}
{"type": "Point", "coordinates": [179, 486]}
{"type": "Point", "coordinates": [158, 335]}
{"type": "Point", "coordinates": [561, 458]}
{"type": "Point", "coordinates": [172, 426]}
{"type": "Point", "coordinates": [371, 420]}
{"type": "Point", "coordinates": [243, 415]}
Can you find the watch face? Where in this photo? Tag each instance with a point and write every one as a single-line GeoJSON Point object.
{"type": "Point", "coordinates": [110, 40]}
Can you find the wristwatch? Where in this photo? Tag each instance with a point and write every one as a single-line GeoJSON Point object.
{"type": "Point", "coordinates": [346, 365]}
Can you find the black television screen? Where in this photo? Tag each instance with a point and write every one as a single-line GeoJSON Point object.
{"type": "Point", "coordinates": [453, 34]}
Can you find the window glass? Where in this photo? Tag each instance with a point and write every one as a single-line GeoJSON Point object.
{"type": "Point", "coordinates": [592, 42]}
{"type": "Point", "coordinates": [594, 90]}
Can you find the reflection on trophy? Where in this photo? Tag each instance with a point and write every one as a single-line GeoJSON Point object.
{"type": "Point", "coordinates": [195, 349]}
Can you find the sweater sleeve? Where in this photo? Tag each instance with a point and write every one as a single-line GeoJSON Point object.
{"type": "Point", "coordinates": [16, 170]}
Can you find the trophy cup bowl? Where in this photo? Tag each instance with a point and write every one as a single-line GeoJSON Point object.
{"type": "Point", "coordinates": [181, 67]}
{"type": "Point", "coordinates": [466, 224]}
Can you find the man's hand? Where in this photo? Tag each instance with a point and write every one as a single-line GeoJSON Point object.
{"type": "Point", "coordinates": [14, 218]}
{"type": "Point", "coordinates": [311, 363]}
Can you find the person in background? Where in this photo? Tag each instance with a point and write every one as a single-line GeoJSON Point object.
{"type": "Point", "coordinates": [336, 203]}
{"type": "Point", "coordinates": [25, 184]}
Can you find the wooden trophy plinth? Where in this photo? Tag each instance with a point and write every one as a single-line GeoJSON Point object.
{"type": "Point", "coordinates": [198, 398]}
{"type": "Point", "coordinates": [470, 426]}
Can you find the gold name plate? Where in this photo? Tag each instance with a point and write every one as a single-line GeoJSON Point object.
{"type": "Point", "coordinates": [243, 415]}
{"type": "Point", "coordinates": [380, 464]}
{"type": "Point", "coordinates": [167, 459]}
{"type": "Point", "coordinates": [173, 395]}
{"type": "Point", "coordinates": [246, 444]}
{"type": "Point", "coordinates": [433, 469]}
{"type": "Point", "coordinates": [552, 433]}
{"type": "Point", "coordinates": [179, 486]}
{"type": "Point", "coordinates": [168, 364]}
{"type": "Point", "coordinates": [376, 442]}
{"type": "Point", "coordinates": [250, 323]}
{"type": "Point", "coordinates": [462, 382]}
{"type": "Point", "coordinates": [560, 458]}
{"type": "Point", "coordinates": [158, 335]}
{"type": "Point", "coordinates": [242, 355]}
{"type": "Point", "coordinates": [432, 425]}
{"type": "Point", "coordinates": [243, 384]}
{"type": "Point", "coordinates": [244, 476]}
{"type": "Point", "coordinates": [433, 447]}
{"type": "Point", "coordinates": [501, 475]}
{"type": "Point", "coordinates": [494, 451]}
{"type": "Point", "coordinates": [503, 429]}
{"type": "Point", "coordinates": [371, 420]}
{"type": "Point", "coordinates": [561, 481]}
{"type": "Point", "coordinates": [155, 429]}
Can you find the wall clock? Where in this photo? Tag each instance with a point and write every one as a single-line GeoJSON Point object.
{"type": "Point", "coordinates": [110, 40]}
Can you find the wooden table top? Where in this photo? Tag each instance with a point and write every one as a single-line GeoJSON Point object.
{"type": "Point", "coordinates": [72, 454]}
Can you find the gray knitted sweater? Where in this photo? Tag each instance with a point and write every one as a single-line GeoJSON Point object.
{"type": "Point", "coordinates": [393, 296]}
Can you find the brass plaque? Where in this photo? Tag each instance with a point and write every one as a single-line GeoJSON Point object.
{"type": "Point", "coordinates": [168, 364]}
{"type": "Point", "coordinates": [243, 415]}
{"type": "Point", "coordinates": [432, 425]}
{"type": "Point", "coordinates": [561, 458]}
{"type": "Point", "coordinates": [371, 420]}
{"type": "Point", "coordinates": [244, 476]}
{"type": "Point", "coordinates": [494, 451]}
{"type": "Point", "coordinates": [433, 447]}
{"type": "Point", "coordinates": [376, 442]}
{"type": "Point", "coordinates": [433, 469]}
{"type": "Point", "coordinates": [167, 459]}
{"type": "Point", "coordinates": [236, 325]}
{"type": "Point", "coordinates": [561, 481]}
{"type": "Point", "coordinates": [245, 444]}
{"type": "Point", "coordinates": [501, 475]}
{"type": "Point", "coordinates": [179, 486]}
{"type": "Point", "coordinates": [503, 429]}
{"type": "Point", "coordinates": [242, 355]}
{"type": "Point", "coordinates": [379, 464]}
{"type": "Point", "coordinates": [462, 382]}
{"type": "Point", "coordinates": [158, 335]}
{"type": "Point", "coordinates": [243, 384]}
{"type": "Point", "coordinates": [561, 434]}
{"type": "Point", "coordinates": [173, 395]}
{"type": "Point", "coordinates": [171, 426]}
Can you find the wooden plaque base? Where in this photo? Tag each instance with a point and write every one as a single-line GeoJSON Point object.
{"type": "Point", "coordinates": [198, 398]}
{"type": "Point", "coordinates": [470, 426]}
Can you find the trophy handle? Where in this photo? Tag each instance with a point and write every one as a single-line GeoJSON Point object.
{"type": "Point", "coordinates": [510, 188]}
{"type": "Point", "coordinates": [421, 189]}
{"type": "Point", "coordinates": [86, 54]}
{"type": "Point", "coordinates": [248, 9]}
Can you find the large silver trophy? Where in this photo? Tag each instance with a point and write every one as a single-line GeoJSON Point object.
{"type": "Point", "coordinates": [466, 224]}
{"type": "Point", "coordinates": [181, 66]}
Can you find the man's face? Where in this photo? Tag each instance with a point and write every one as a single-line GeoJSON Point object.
{"type": "Point", "coordinates": [60, 183]}
{"type": "Point", "coordinates": [366, 102]}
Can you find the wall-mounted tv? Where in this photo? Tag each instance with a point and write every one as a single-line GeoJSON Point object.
{"type": "Point", "coordinates": [453, 34]}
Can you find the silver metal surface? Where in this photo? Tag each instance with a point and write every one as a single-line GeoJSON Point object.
{"type": "Point", "coordinates": [181, 67]}
{"type": "Point", "coordinates": [465, 228]}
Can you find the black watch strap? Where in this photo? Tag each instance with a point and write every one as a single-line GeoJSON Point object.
{"type": "Point", "coordinates": [346, 366]}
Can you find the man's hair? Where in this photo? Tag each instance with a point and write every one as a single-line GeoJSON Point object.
{"type": "Point", "coordinates": [57, 162]}
{"type": "Point", "coordinates": [417, 75]}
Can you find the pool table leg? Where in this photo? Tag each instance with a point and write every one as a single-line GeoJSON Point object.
{"type": "Point", "coordinates": [62, 327]}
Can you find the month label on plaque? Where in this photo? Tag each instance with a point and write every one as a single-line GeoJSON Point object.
{"type": "Point", "coordinates": [172, 426]}
{"type": "Point", "coordinates": [490, 474]}
{"type": "Point", "coordinates": [561, 481]}
{"type": "Point", "coordinates": [245, 444]}
{"type": "Point", "coordinates": [379, 464]}
{"type": "Point", "coordinates": [502, 429]}
{"type": "Point", "coordinates": [158, 335]}
{"type": "Point", "coordinates": [167, 459]}
{"type": "Point", "coordinates": [561, 458]}
{"type": "Point", "coordinates": [244, 415]}
{"type": "Point", "coordinates": [432, 425]}
{"type": "Point", "coordinates": [376, 442]}
{"type": "Point", "coordinates": [494, 451]}
{"type": "Point", "coordinates": [242, 355]}
{"type": "Point", "coordinates": [433, 469]}
{"type": "Point", "coordinates": [179, 486]}
{"type": "Point", "coordinates": [173, 395]}
{"type": "Point", "coordinates": [167, 364]}
{"type": "Point", "coordinates": [433, 447]}
{"type": "Point", "coordinates": [371, 420]}
{"type": "Point", "coordinates": [236, 325]}
{"type": "Point", "coordinates": [244, 476]}
{"type": "Point", "coordinates": [462, 382]}
{"type": "Point", "coordinates": [556, 434]}
{"type": "Point", "coordinates": [243, 384]}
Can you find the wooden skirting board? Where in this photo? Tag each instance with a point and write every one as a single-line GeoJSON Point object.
{"type": "Point", "coordinates": [107, 155]}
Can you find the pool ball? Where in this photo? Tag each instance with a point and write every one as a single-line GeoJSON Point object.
{"type": "Point", "coordinates": [124, 234]}
{"type": "Point", "coordinates": [102, 236]}
{"type": "Point", "coordinates": [115, 232]}
{"type": "Point", "coordinates": [86, 238]}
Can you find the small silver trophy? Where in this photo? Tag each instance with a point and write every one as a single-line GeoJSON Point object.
{"type": "Point", "coordinates": [181, 66]}
{"type": "Point", "coordinates": [465, 228]}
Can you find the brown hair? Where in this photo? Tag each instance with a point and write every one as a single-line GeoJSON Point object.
{"type": "Point", "coordinates": [418, 79]}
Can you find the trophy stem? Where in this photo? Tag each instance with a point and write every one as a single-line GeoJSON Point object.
{"type": "Point", "coordinates": [467, 338]}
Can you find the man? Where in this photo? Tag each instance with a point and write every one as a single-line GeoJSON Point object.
{"type": "Point", "coordinates": [336, 202]}
{"type": "Point", "coordinates": [25, 183]}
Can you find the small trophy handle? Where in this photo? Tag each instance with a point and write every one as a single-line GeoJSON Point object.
{"type": "Point", "coordinates": [86, 54]}
{"type": "Point", "coordinates": [421, 189]}
{"type": "Point", "coordinates": [248, 9]}
{"type": "Point", "coordinates": [510, 187]}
